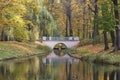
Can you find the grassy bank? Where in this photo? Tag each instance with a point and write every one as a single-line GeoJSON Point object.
{"type": "Point", "coordinates": [96, 54]}
{"type": "Point", "coordinates": [105, 58]}
{"type": "Point", "coordinates": [16, 49]}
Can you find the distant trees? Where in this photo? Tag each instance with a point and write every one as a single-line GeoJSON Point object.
{"type": "Point", "coordinates": [89, 19]}
{"type": "Point", "coordinates": [11, 15]}
{"type": "Point", "coordinates": [23, 19]}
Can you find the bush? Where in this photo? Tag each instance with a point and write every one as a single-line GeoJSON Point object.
{"type": "Point", "coordinates": [20, 34]}
{"type": "Point", "coordinates": [45, 48]}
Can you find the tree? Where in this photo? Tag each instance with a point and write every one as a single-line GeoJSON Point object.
{"type": "Point", "coordinates": [10, 10]}
{"type": "Point", "coordinates": [116, 12]}
{"type": "Point", "coordinates": [106, 21]}
{"type": "Point", "coordinates": [68, 12]}
{"type": "Point", "coordinates": [95, 11]}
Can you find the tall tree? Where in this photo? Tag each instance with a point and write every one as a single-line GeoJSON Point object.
{"type": "Point", "coordinates": [106, 21]}
{"type": "Point", "coordinates": [84, 32]}
{"type": "Point", "coordinates": [68, 12]}
{"type": "Point", "coordinates": [95, 31]}
{"type": "Point", "coordinates": [116, 12]}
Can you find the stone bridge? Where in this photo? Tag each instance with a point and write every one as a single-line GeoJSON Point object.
{"type": "Point", "coordinates": [68, 41]}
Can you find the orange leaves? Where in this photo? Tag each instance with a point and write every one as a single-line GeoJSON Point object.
{"type": "Point", "coordinates": [11, 13]}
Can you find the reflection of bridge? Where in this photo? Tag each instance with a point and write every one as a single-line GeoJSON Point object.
{"type": "Point", "coordinates": [51, 58]}
{"type": "Point", "coordinates": [68, 41]}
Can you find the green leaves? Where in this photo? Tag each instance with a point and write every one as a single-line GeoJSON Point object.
{"type": "Point", "coordinates": [106, 20]}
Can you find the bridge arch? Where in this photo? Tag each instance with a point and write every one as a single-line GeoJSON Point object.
{"type": "Point", "coordinates": [62, 45]}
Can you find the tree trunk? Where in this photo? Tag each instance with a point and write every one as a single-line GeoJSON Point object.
{"type": "Point", "coordinates": [3, 35]}
{"type": "Point", "coordinates": [70, 25]}
{"type": "Point", "coordinates": [95, 30]}
{"type": "Point", "coordinates": [78, 30]}
{"type": "Point", "coordinates": [90, 21]}
{"type": "Point", "coordinates": [116, 12]}
{"type": "Point", "coordinates": [84, 32]}
{"type": "Point", "coordinates": [68, 14]}
{"type": "Point", "coordinates": [66, 29]}
{"type": "Point", "coordinates": [117, 45]}
{"type": "Point", "coordinates": [105, 41]}
{"type": "Point", "coordinates": [112, 34]}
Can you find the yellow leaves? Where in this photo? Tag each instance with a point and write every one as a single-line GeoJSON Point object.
{"type": "Point", "coordinates": [5, 22]}
{"type": "Point", "coordinates": [15, 21]}
{"type": "Point", "coordinates": [11, 14]}
{"type": "Point", "coordinates": [20, 9]}
{"type": "Point", "coordinates": [4, 2]}
{"type": "Point", "coordinates": [18, 21]}
{"type": "Point", "coordinates": [35, 7]}
{"type": "Point", "coordinates": [43, 1]}
{"type": "Point", "coordinates": [14, 9]}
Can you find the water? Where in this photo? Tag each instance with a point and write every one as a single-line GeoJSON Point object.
{"type": "Point", "coordinates": [53, 67]}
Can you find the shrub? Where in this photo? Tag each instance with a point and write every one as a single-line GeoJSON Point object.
{"type": "Point", "coordinates": [44, 48]}
{"type": "Point", "coordinates": [20, 34]}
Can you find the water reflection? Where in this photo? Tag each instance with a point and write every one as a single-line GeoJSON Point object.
{"type": "Point", "coordinates": [53, 67]}
{"type": "Point", "coordinates": [53, 58]}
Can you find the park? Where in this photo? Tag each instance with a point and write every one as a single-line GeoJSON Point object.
{"type": "Point", "coordinates": [59, 40]}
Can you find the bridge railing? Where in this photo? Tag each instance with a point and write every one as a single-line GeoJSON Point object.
{"type": "Point", "coordinates": [60, 39]}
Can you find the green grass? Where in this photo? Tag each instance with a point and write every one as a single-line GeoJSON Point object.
{"type": "Point", "coordinates": [44, 48]}
{"type": "Point", "coordinates": [103, 58]}
{"type": "Point", "coordinates": [83, 51]}
{"type": "Point", "coordinates": [16, 49]}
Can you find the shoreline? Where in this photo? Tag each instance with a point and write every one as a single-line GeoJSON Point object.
{"type": "Point", "coordinates": [21, 57]}
{"type": "Point", "coordinates": [97, 54]}
{"type": "Point", "coordinates": [16, 50]}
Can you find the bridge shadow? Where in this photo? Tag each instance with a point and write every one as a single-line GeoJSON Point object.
{"type": "Point", "coordinates": [59, 51]}
{"type": "Point", "coordinates": [54, 58]}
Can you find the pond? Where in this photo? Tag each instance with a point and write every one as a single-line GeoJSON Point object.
{"type": "Point", "coordinates": [53, 67]}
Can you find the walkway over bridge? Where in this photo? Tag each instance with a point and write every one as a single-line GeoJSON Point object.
{"type": "Point", "coordinates": [68, 41]}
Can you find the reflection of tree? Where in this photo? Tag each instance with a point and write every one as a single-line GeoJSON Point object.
{"type": "Point", "coordinates": [118, 75]}
{"type": "Point", "coordinates": [95, 73]}
{"type": "Point", "coordinates": [112, 76]}
{"type": "Point", "coordinates": [84, 72]}
{"type": "Point", "coordinates": [115, 75]}
{"type": "Point", "coordinates": [20, 70]}
{"type": "Point", "coordinates": [68, 70]}
{"type": "Point", "coordinates": [35, 69]}
{"type": "Point", "coordinates": [105, 75]}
